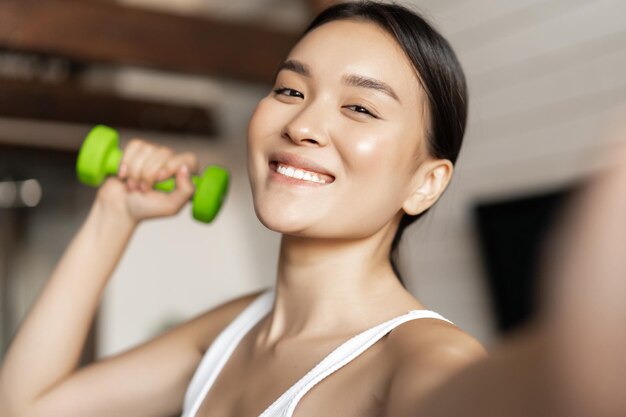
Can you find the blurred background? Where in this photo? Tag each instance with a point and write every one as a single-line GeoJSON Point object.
{"type": "Point", "coordinates": [546, 79]}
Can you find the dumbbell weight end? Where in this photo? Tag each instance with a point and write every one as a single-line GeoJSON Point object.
{"type": "Point", "coordinates": [99, 156]}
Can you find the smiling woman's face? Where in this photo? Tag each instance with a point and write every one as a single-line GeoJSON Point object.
{"type": "Point", "coordinates": [348, 100]}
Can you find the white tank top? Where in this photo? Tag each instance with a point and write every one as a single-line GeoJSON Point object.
{"type": "Point", "coordinates": [223, 346]}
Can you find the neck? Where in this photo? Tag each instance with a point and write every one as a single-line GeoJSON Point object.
{"type": "Point", "coordinates": [329, 287]}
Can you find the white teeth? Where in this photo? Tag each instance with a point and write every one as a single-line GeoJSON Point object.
{"type": "Point", "coordinates": [299, 174]}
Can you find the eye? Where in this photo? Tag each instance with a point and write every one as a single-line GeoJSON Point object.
{"type": "Point", "coordinates": [282, 90]}
{"type": "Point", "coordinates": [361, 109]}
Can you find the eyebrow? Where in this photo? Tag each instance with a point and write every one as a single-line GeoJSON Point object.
{"type": "Point", "coordinates": [353, 80]}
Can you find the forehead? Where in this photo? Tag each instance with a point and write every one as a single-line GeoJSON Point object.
{"type": "Point", "coordinates": [358, 47]}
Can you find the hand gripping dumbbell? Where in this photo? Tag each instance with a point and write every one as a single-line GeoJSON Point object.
{"type": "Point", "coordinates": [100, 156]}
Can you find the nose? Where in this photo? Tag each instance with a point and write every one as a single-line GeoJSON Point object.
{"type": "Point", "coordinates": [306, 127]}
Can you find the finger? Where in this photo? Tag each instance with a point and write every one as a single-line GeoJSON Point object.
{"type": "Point", "coordinates": [174, 201]}
{"type": "Point", "coordinates": [174, 164]}
{"type": "Point", "coordinates": [154, 164]}
{"type": "Point", "coordinates": [184, 186]}
{"type": "Point", "coordinates": [135, 166]}
{"type": "Point", "coordinates": [133, 146]}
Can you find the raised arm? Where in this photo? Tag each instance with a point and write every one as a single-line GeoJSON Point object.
{"type": "Point", "coordinates": [39, 375]}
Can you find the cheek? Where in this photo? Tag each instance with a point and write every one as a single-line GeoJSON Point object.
{"type": "Point", "coordinates": [260, 126]}
{"type": "Point", "coordinates": [259, 122]}
{"type": "Point", "coordinates": [375, 160]}
{"type": "Point", "coordinates": [372, 152]}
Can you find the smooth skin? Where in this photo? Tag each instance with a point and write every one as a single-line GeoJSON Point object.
{"type": "Point", "coordinates": [334, 279]}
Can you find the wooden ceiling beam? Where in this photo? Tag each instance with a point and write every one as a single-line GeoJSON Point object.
{"type": "Point", "coordinates": [66, 103]}
{"type": "Point", "coordinates": [105, 32]}
{"type": "Point", "coordinates": [319, 5]}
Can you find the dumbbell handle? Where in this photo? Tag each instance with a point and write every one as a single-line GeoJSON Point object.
{"type": "Point", "coordinates": [112, 165]}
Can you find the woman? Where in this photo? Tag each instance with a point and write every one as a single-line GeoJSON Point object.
{"type": "Point", "coordinates": [372, 101]}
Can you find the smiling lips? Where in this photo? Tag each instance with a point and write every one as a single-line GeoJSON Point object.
{"type": "Point", "coordinates": [299, 174]}
{"type": "Point", "coordinates": [292, 165]}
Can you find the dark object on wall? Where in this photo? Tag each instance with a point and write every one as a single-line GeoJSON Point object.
{"type": "Point", "coordinates": [511, 234]}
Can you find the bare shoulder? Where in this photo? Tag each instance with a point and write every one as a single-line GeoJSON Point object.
{"type": "Point", "coordinates": [206, 326]}
{"type": "Point", "coordinates": [432, 340]}
{"type": "Point", "coordinates": [425, 353]}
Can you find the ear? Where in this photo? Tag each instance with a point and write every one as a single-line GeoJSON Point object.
{"type": "Point", "coordinates": [428, 183]}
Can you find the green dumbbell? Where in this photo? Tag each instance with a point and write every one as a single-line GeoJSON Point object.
{"type": "Point", "coordinates": [100, 156]}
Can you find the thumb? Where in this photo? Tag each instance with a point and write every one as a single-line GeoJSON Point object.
{"type": "Point", "coordinates": [175, 200]}
{"type": "Point", "coordinates": [184, 186]}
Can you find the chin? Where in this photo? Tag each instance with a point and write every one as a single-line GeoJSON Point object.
{"type": "Point", "coordinates": [280, 221]}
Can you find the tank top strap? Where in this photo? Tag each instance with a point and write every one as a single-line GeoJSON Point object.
{"type": "Point", "coordinates": [222, 347]}
{"type": "Point", "coordinates": [285, 405]}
